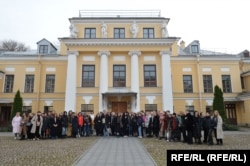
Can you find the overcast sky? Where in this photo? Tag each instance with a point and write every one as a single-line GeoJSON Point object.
{"type": "Point", "coordinates": [221, 25]}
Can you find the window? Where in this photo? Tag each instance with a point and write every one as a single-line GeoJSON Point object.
{"type": "Point", "coordinates": [148, 33]}
{"type": "Point", "coordinates": [9, 81]}
{"type": "Point", "coordinates": [150, 76]}
{"type": "Point", "coordinates": [119, 76]}
{"type": "Point", "coordinates": [190, 109]}
{"type": "Point", "coordinates": [187, 84]}
{"type": "Point", "coordinates": [195, 49]}
{"type": "Point", "coordinates": [242, 82]}
{"type": "Point", "coordinates": [88, 76]}
{"type": "Point", "coordinates": [209, 109]}
{"type": "Point", "coordinates": [48, 109]}
{"type": "Point", "coordinates": [119, 33]}
{"type": "Point", "coordinates": [87, 108]}
{"type": "Point", "coordinates": [226, 84]}
{"type": "Point", "coordinates": [246, 54]}
{"type": "Point", "coordinates": [207, 84]}
{"type": "Point", "coordinates": [43, 49]}
{"type": "Point", "coordinates": [29, 84]}
{"type": "Point", "coordinates": [27, 109]}
{"type": "Point", "coordinates": [50, 83]}
{"type": "Point", "coordinates": [90, 33]}
{"type": "Point", "coordinates": [150, 107]}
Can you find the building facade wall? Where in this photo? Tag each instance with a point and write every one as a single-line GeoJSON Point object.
{"type": "Point", "coordinates": [119, 53]}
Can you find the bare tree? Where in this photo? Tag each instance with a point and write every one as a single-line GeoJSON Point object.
{"type": "Point", "coordinates": [12, 45]}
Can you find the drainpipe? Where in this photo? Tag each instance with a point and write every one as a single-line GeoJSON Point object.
{"type": "Point", "coordinates": [199, 80]}
{"type": "Point", "coordinates": [39, 83]}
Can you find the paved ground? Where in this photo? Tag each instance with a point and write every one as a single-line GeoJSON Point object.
{"type": "Point", "coordinates": [113, 151]}
{"type": "Point", "coordinates": [103, 150]}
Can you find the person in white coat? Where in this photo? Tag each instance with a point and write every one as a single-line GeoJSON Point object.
{"type": "Point", "coordinates": [16, 122]}
{"type": "Point", "coordinates": [219, 130]}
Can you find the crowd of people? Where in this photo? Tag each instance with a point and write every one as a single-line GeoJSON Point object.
{"type": "Point", "coordinates": [188, 127]}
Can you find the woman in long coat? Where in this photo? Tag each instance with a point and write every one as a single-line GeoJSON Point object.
{"type": "Point", "coordinates": [16, 122]}
{"type": "Point", "coordinates": [219, 130]}
{"type": "Point", "coordinates": [162, 124]}
{"type": "Point", "coordinates": [37, 123]}
{"type": "Point", "coordinates": [23, 127]}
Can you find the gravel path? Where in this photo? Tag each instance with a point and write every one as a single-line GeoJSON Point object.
{"type": "Point", "coordinates": [57, 152]}
{"type": "Point", "coordinates": [232, 140]}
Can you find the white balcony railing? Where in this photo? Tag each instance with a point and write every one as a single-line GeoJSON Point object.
{"type": "Point", "coordinates": [119, 13]}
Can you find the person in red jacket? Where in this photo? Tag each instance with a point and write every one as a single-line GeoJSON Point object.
{"type": "Point", "coordinates": [80, 120]}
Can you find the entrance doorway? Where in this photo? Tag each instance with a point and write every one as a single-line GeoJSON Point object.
{"type": "Point", "coordinates": [5, 115]}
{"type": "Point", "coordinates": [231, 113]}
{"type": "Point", "coordinates": [119, 107]}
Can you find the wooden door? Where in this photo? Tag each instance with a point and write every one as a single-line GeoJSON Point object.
{"type": "Point", "coordinates": [231, 113]}
{"type": "Point", "coordinates": [5, 115]}
{"type": "Point", "coordinates": [119, 106]}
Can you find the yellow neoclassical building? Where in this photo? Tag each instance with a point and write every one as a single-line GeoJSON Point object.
{"type": "Point", "coordinates": [124, 61]}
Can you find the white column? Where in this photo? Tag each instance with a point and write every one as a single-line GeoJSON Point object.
{"type": "Point", "coordinates": [167, 92]}
{"type": "Point", "coordinates": [70, 94]}
{"type": "Point", "coordinates": [103, 79]}
{"type": "Point", "coordinates": [135, 101]}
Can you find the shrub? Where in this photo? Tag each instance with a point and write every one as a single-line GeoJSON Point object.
{"type": "Point", "coordinates": [230, 127]}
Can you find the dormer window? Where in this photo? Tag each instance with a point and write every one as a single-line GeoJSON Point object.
{"type": "Point", "coordinates": [246, 54]}
{"type": "Point", "coordinates": [195, 49]}
{"type": "Point", "coordinates": [43, 49]}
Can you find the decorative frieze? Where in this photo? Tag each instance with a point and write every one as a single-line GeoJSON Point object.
{"type": "Point", "coordinates": [88, 58]}
{"type": "Point", "coordinates": [51, 69]}
{"type": "Point", "coordinates": [186, 69]}
{"type": "Point", "coordinates": [30, 69]}
{"type": "Point", "coordinates": [149, 58]}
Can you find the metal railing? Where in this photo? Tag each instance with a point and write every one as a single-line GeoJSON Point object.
{"type": "Point", "coordinates": [119, 13]}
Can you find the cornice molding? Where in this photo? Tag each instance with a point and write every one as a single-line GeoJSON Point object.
{"type": "Point", "coordinates": [212, 58]}
{"type": "Point", "coordinates": [118, 42]}
{"type": "Point", "coordinates": [115, 20]}
{"type": "Point", "coordinates": [57, 58]}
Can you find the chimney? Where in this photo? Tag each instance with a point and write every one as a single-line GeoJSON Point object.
{"type": "Point", "coordinates": [182, 44]}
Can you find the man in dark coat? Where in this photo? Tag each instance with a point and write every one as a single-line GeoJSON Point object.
{"type": "Point", "coordinates": [64, 122]}
{"type": "Point", "coordinates": [183, 127]}
{"type": "Point", "coordinates": [190, 127]}
{"type": "Point", "coordinates": [98, 124]}
{"type": "Point", "coordinates": [113, 120]}
{"type": "Point", "coordinates": [125, 124]}
{"type": "Point", "coordinates": [206, 122]}
{"type": "Point", "coordinates": [45, 127]}
{"type": "Point", "coordinates": [197, 127]}
{"type": "Point", "coordinates": [156, 124]}
{"type": "Point", "coordinates": [74, 125]}
{"type": "Point", "coordinates": [54, 124]}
